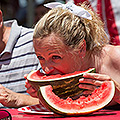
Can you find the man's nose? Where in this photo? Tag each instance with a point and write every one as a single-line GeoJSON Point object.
{"type": "Point", "coordinates": [48, 66]}
{"type": "Point", "coordinates": [48, 70]}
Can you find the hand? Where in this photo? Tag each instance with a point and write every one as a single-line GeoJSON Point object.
{"type": "Point", "coordinates": [30, 89]}
{"type": "Point", "coordinates": [8, 98]}
{"type": "Point", "coordinates": [91, 81]}
{"type": "Point", "coordinates": [95, 80]}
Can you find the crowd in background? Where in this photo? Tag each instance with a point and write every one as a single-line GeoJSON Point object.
{"type": "Point", "coordinates": [17, 9]}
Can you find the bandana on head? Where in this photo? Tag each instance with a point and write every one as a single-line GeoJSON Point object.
{"type": "Point", "coordinates": [77, 10]}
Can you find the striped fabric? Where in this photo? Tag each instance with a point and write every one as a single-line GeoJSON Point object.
{"type": "Point", "coordinates": [109, 11]}
{"type": "Point", "coordinates": [18, 58]}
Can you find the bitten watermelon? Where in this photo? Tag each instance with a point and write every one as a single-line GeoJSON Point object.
{"type": "Point", "coordinates": [81, 106]}
{"type": "Point", "coordinates": [56, 92]}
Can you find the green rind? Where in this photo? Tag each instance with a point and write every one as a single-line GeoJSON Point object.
{"type": "Point", "coordinates": [57, 81]}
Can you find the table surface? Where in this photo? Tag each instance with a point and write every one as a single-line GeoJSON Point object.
{"type": "Point", "coordinates": [105, 114]}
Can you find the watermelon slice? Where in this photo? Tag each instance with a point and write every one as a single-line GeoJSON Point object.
{"type": "Point", "coordinates": [81, 106]}
{"type": "Point", "coordinates": [56, 92]}
{"type": "Point", "coordinates": [40, 79]}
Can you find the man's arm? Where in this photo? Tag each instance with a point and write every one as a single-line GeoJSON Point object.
{"type": "Point", "coordinates": [9, 98]}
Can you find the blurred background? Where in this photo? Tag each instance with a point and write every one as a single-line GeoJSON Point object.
{"type": "Point", "coordinates": [26, 12]}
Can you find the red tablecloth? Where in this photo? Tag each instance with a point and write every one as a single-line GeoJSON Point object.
{"type": "Point", "coordinates": [99, 115]}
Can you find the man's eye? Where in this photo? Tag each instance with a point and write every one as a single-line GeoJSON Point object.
{"type": "Point", "coordinates": [56, 57]}
{"type": "Point", "coordinates": [40, 57]}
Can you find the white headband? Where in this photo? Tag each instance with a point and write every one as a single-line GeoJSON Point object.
{"type": "Point", "coordinates": [77, 10]}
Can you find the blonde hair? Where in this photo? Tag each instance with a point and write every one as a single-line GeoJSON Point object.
{"type": "Point", "coordinates": [73, 29]}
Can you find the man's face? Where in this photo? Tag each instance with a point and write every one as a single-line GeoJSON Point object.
{"type": "Point", "coordinates": [55, 57]}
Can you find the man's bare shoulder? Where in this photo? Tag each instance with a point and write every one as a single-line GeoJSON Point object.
{"type": "Point", "coordinates": [113, 50]}
{"type": "Point", "coordinates": [114, 53]}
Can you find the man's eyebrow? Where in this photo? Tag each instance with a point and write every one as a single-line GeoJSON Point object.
{"type": "Point", "coordinates": [52, 53]}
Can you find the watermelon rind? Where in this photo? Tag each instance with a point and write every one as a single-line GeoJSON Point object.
{"type": "Point", "coordinates": [48, 104]}
{"type": "Point", "coordinates": [55, 80]}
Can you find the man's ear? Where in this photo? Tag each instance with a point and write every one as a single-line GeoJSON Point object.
{"type": "Point", "coordinates": [82, 48]}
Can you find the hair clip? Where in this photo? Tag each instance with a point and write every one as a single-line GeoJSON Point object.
{"type": "Point", "coordinates": [77, 10]}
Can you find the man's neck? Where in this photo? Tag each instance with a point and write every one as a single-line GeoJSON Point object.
{"type": "Point", "coordinates": [88, 61]}
{"type": "Point", "coordinates": [5, 37]}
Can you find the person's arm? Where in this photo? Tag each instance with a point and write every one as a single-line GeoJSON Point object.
{"type": "Point", "coordinates": [9, 98]}
{"type": "Point", "coordinates": [115, 56]}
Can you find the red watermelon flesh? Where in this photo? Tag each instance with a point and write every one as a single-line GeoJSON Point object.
{"type": "Point", "coordinates": [83, 105]}
{"type": "Point", "coordinates": [37, 75]}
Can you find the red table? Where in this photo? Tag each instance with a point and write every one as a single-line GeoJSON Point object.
{"type": "Point", "coordinates": [99, 115]}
